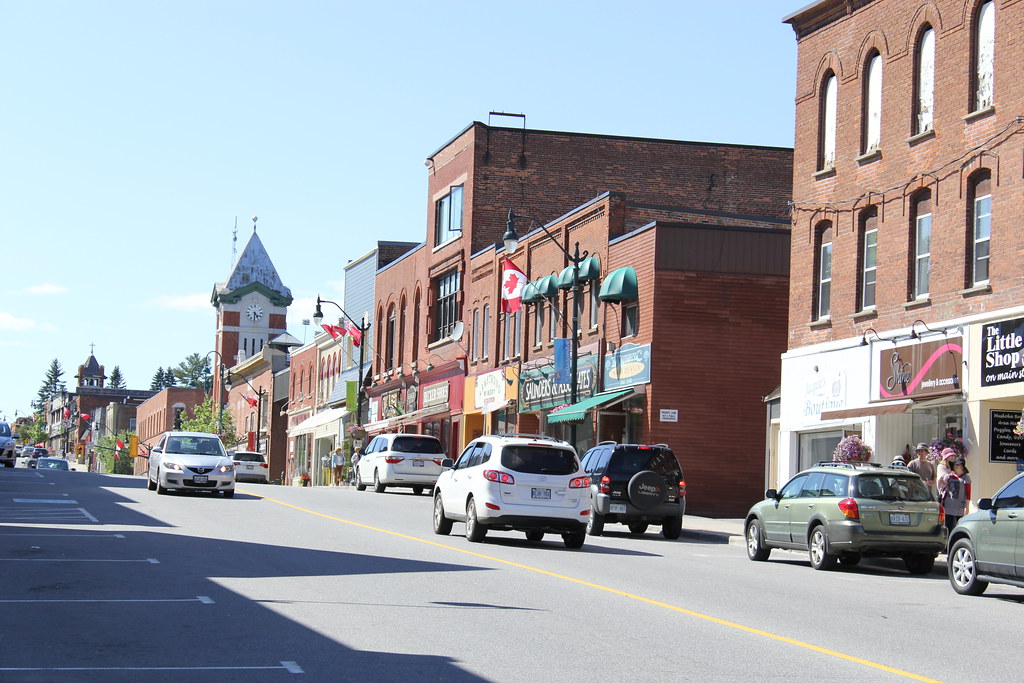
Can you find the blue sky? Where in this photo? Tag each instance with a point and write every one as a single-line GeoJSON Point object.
{"type": "Point", "coordinates": [134, 133]}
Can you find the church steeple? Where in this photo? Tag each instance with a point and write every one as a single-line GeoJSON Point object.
{"type": "Point", "coordinates": [90, 373]}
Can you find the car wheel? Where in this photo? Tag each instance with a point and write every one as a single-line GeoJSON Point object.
{"type": "Point", "coordinates": [637, 527]}
{"type": "Point", "coordinates": [595, 523]}
{"type": "Point", "coordinates": [534, 536]}
{"type": "Point", "coordinates": [228, 493]}
{"type": "Point", "coordinates": [377, 486]}
{"type": "Point", "coordinates": [360, 486]}
{"type": "Point", "coordinates": [672, 528]}
{"type": "Point", "coordinates": [756, 549]}
{"type": "Point", "coordinates": [849, 559]}
{"type": "Point", "coordinates": [160, 488]}
{"type": "Point", "coordinates": [919, 564]}
{"type": "Point", "coordinates": [818, 550]}
{"type": "Point", "coordinates": [150, 484]}
{"type": "Point", "coordinates": [574, 539]}
{"type": "Point", "coordinates": [963, 569]}
{"type": "Point", "coordinates": [475, 531]}
{"type": "Point", "coordinates": [417, 490]}
{"type": "Point", "coordinates": [442, 525]}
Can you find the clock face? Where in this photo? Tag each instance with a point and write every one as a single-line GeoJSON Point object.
{"type": "Point", "coordinates": [254, 312]}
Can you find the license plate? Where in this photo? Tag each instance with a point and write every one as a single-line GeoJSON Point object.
{"type": "Point", "coordinates": [617, 508]}
{"type": "Point", "coordinates": [249, 467]}
{"type": "Point", "coordinates": [899, 519]}
{"type": "Point", "coordinates": [540, 494]}
{"type": "Point", "coordinates": [417, 463]}
{"type": "Point", "coordinates": [200, 479]}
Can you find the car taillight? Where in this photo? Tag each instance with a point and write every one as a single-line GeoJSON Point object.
{"type": "Point", "coordinates": [580, 483]}
{"type": "Point", "coordinates": [264, 465]}
{"type": "Point", "coordinates": [682, 488]}
{"type": "Point", "coordinates": [393, 459]}
{"type": "Point", "coordinates": [499, 477]}
{"type": "Point", "coordinates": [437, 461]}
{"type": "Point", "coordinates": [942, 514]}
{"type": "Point", "coordinates": [848, 506]}
{"type": "Point", "coordinates": [606, 485]}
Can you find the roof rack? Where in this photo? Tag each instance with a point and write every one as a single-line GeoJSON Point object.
{"type": "Point", "coordinates": [849, 465]}
{"type": "Point", "coordinates": [523, 435]}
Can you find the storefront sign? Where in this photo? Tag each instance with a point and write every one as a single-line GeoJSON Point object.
{"type": "Point", "coordinates": [435, 394]}
{"type": "Point", "coordinates": [392, 403]}
{"type": "Point", "coordinates": [411, 394]}
{"type": "Point", "coordinates": [563, 361]}
{"type": "Point", "coordinates": [489, 391]}
{"type": "Point", "coordinates": [920, 370]}
{"type": "Point", "coordinates": [824, 391]}
{"type": "Point", "coordinates": [1002, 352]}
{"type": "Point", "coordinates": [668, 415]}
{"type": "Point", "coordinates": [538, 391]}
{"type": "Point", "coordinates": [1004, 445]}
{"type": "Point", "coordinates": [627, 366]}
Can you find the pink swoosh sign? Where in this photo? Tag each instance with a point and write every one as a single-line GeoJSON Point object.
{"type": "Point", "coordinates": [922, 373]}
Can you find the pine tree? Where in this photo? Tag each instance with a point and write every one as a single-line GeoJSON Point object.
{"type": "Point", "coordinates": [168, 380]}
{"type": "Point", "coordinates": [116, 378]}
{"type": "Point", "coordinates": [158, 380]}
{"type": "Point", "coordinates": [52, 383]}
{"type": "Point", "coordinates": [192, 371]}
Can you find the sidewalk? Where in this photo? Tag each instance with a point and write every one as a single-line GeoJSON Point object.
{"type": "Point", "coordinates": [709, 530]}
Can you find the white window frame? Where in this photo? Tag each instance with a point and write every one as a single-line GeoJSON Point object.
{"type": "Point", "coordinates": [922, 256]}
{"type": "Point", "coordinates": [873, 106]}
{"type": "Point", "coordinates": [984, 57]}
{"type": "Point", "coordinates": [870, 268]}
{"type": "Point", "coordinates": [830, 97]}
{"type": "Point", "coordinates": [485, 330]}
{"type": "Point", "coordinates": [538, 323]}
{"type": "Point", "coordinates": [982, 236]}
{"type": "Point", "coordinates": [825, 280]}
{"type": "Point", "coordinates": [925, 82]}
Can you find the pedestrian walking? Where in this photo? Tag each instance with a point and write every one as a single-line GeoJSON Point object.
{"type": "Point", "coordinates": [338, 462]}
{"type": "Point", "coordinates": [921, 466]}
{"type": "Point", "coordinates": [352, 474]}
{"type": "Point", "coordinates": [957, 493]}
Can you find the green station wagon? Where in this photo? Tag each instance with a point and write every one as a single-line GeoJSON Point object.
{"type": "Point", "coordinates": [839, 512]}
{"type": "Point", "coordinates": [987, 546]}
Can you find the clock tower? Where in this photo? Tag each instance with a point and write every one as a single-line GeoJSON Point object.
{"type": "Point", "coordinates": [252, 305]}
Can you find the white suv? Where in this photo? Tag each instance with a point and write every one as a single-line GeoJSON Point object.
{"type": "Point", "coordinates": [191, 461]}
{"type": "Point", "coordinates": [514, 482]}
{"type": "Point", "coordinates": [410, 460]}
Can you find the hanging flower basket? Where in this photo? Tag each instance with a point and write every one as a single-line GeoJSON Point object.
{"type": "Point", "coordinates": [357, 432]}
{"type": "Point", "coordinates": [936, 447]}
{"type": "Point", "coordinates": [852, 449]}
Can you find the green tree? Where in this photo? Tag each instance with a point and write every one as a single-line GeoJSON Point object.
{"type": "Point", "coordinates": [108, 456]}
{"type": "Point", "coordinates": [206, 420]}
{"type": "Point", "coordinates": [52, 383]}
{"type": "Point", "coordinates": [116, 378]}
{"type": "Point", "coordinates": [192, 372]}
{"type": "Point", "coordinates": [168, 380]}
{"type": "Point", "coordinates": [34, 431]}
{"type": "Point", "coordinates": [157, 382]}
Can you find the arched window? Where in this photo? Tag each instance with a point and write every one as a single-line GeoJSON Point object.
{"type": "Point", "coordinates": [921, 245]}
{"type": "Point", "coordinates": [979, 228]}
{"type": "Point", "coordinates": [476, 334]}
{"type": "Point", "coordinates": [485, 329]}
{"type": "Point", "coordinates": [868, 258]}
{"type": "Point", "coordinates": [401, 332]}
{"type": "Point", "coordinates": [390, 341]}
{"type": "Point", "coordinates": [871, 136]}
{"type": "Point", "coordinates": [827, 123]}
{"type": "Point", "coordinates": [823, 270]}
{"type": "Point", "coordinates": [983, 56]}
{"type": "Point", "coordinates": [924, 81]}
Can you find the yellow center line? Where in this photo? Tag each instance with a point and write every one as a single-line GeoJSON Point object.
{"type": "Point", "coordinates": [614, 591]}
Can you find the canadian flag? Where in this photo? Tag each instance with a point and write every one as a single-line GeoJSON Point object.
{"type": "Point", "coordinates": [334, 330]}
{"type": "Point", "coordinates": [119, 446]}
{"type": "Point", "coordinates": [512, 282]}
{"type": "Point", "coordinates": [354, 332]}
{"type": "Point", "coordinates": [251, 401]}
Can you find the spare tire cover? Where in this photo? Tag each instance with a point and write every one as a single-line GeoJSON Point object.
{"type": "Point", "coordinates": [647, 490]}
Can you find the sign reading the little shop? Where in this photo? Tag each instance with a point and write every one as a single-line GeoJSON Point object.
{"type": "Point", "coordinates": [1005, 446]}
{"type": "Point", "coordinates": [538, 390]}
{"type": "Point", "coordinates": [1002, 352]}
{"type": "Point", "coordinates": [920, 370]}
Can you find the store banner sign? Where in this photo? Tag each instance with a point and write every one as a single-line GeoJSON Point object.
{"type": "Point", "coordinates": [435, 394]}
{"type": "Point", "coordinates": [1002, 352]}
{"type": "Point", "coordinates": [539, 391]}
{"type": "Point", "coordinates": [920, 370]}
{"type": "Point", "coordinates": [490, 390]}
{"type": "Point", "coordinates": [1004, 445]}
{"type": "Point", "coordinates": [627, 366]}
{"type": "Point", "coordinates": [563, 361]}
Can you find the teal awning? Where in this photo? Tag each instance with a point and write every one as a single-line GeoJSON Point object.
{"type": "Point", "coordinates": [547, 286]}
{"type": "Point", "coordinates": [565, 279]}
{"type": "Point", "coordinates": [578, 411]}
{"type": "Point", "coordinates": [531, 294]}
{"type": "Point", "coordinates": [620, 285]}
{"type": "Point", "coordinates": [590, 268]}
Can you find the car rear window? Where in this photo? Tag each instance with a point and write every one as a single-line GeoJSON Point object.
{"type": "Point", "coordinates": [408, 444]}
{"type": "Point", "coordinates": [632, 459]}
{"type": "Point", "coordinates": [892, 487]}
{"type": "Point", "coordinates": [248, 457]}
{"type": "Point", "coordinates": [539, 460]}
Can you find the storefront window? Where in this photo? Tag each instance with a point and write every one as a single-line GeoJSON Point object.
{"type": "Point", "coordinates": [935, 423]}
{"type": "Point", "coordinates": [816, 447]}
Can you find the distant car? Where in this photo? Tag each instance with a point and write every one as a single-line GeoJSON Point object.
{"type": "Point", "coordinates": [191, 461]}
{"type": "Point", "coordinates": [514, 482]}
{"type": "Point", "coordinates": [29, 455]}
{"type": "Point", "coordinates": [636, 485]}
{"type": "Point", "coordinates": [49, 463]}
{"type": "Point", "coordinates": [8, 455]}
{"type": "Point", "coordinates": [406, 460]}
{"type": "Point", "coordinates": [250, 466]}
{"type": "Point", "coordinates": [839, 512]}
{"type": "Point", "coordinates": [988, 546]}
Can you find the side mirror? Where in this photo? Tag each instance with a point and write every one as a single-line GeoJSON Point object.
{"type": "Point", "coordinates": [985, 504]}
{"type": "Point", "coordinates": [447, 463]}
{"type": "Point", "coordinates": [771, 493]}
{"type": "Point", "coordinates": [156, 449]}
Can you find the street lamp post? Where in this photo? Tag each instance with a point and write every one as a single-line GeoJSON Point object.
{"type": "Point", "coordinates": [222, 375]}
{"type": "Point", "coordinates": [511, 240]}
{"type": "Point", "coordinates": [260, 393]}
{"type": "Point", "coordinates": [362, 326]}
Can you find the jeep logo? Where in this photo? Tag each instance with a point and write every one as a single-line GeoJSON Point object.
{"type": "Point", "coordinates": [649, 490]}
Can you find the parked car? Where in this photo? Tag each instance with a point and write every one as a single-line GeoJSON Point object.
{"type": "Point", "coordinates": [7, 453]}
{"type": "Point", "coordinates": [407, 460]}
{"type": "Point", "coordinates": [514, 482]}
{"type": "Point", "coordinates": [250, 466]}
{"type": "Point", "coordinates": [987, 546]}
{"type": "Point", "coordinates": [30, 454]}
{"type": "Point", "coordinates": [49, 463]}
{"type": "Point", "coordinates": [839, 512]}
{"type": "Point", "coordinates": [191, 461]}
{"type": "Point", "coordinates": [636, 485]}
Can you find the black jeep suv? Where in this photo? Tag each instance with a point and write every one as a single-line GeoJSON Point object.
{"type": "Point", "coordinates": [635, 485]}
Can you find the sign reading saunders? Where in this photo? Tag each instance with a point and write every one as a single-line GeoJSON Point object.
{"type": "Point", "coordinates": [1002, 352]}
{"type": "Point", "coordinates": [538, 390]}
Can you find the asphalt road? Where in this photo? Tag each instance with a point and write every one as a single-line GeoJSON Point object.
{"type": "Point", "coordinates": [102, 580]}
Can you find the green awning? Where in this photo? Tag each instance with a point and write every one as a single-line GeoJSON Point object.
{"type": "Point", "coordinates": [547, 286]}
{"type": "Point", "coordinates": [620, 285]}
{"type": "Point", "coordinates": [531, 294]}
{"type": "Point", "coordinates": [565, 279]}
{"type": "Point", "coordinates": [578, 411]}
{"type": "Point", "coordinates": [590, 268]}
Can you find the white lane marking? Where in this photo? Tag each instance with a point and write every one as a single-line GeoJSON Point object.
{"type": "Point", "coordinates": [60, 559]}
{"type": "Point", "coordinates": [202, 599]}
{"type": "Point", "coordinates": [46, 500]}
{"type": "Point", "coordinates": [68, 535]}
{"type": "Point", "coordinates": [206, 600]}
{"type": "Point", "coordinates": [290, 667]}
{"type": "Point", "coordinates": [88, 516]}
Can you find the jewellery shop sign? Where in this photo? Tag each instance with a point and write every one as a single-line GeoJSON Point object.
{"type": "Point", "coordinates": [538, 390]}
{"type": "Point", "coordinates": [920, 370]}
{"type": "Point", "coordinates": [1002, 352]}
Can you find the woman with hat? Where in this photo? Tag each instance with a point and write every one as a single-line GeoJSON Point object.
{"type": "Point", "coordinates": [957, 493]}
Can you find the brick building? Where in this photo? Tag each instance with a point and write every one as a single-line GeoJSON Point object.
{"type": "Point", "coordinates": [689, 243]}
{"type": "Point", "coordinates": [163, 412]}
{"type": "Point", "coordinates": [905, 316]}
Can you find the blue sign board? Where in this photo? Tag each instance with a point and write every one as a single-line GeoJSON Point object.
{"type": "Point", "coordinates": [627, 366]}
{"type": "Point", "coordinates": [563, 361]}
